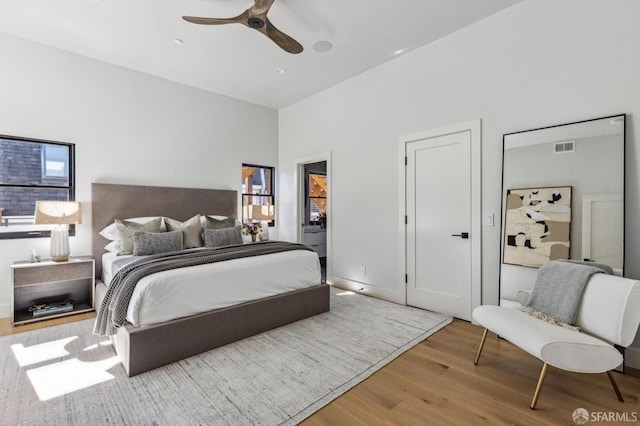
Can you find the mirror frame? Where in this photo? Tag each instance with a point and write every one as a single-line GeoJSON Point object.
{"type": "Point", "coordinates": [503, 190]}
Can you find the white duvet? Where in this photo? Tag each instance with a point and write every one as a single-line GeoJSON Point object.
{"type": "Point", "coordinates": [188, 291]}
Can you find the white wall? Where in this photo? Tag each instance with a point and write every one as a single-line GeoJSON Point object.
{"type": "Point", "coordinates": [539, 63]}
{"type": "Point", "coordinates": [128, 127]}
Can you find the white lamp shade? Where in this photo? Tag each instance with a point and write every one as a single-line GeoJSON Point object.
{"type": "Point", "coordinates": [261, 212]}
{"type": "Point", "coordinates": [58, 212]}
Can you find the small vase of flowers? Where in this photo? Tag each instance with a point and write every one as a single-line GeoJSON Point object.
{"type": "Point", "coordinates": [252, 229]}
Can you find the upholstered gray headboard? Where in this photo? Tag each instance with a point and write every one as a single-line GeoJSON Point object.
{"type": "Point", "coordinates": [109, 202]}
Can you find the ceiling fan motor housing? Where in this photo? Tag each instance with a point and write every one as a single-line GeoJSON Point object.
{"type": "Point", "coordinates": [255, 22]}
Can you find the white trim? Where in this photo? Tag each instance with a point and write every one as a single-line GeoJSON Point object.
{"type": "Point", "coordinates": [387, 294]}
{"type": "Point", "coordinates": [299, 180]}
{"type": "Point", "coordinates": [402, 213]}
{"type": "Point", "coordinates": [475, 129]}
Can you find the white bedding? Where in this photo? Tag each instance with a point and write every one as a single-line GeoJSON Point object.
{"type": "Point", "coordinates": [188, 291]}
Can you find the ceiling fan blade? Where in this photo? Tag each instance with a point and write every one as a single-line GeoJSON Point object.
{"type": "Point", "coordinates": [240, 19]}
{"type": "Point", "coordinates": [261, 7]}
{"type": "Point", "coordinates": [255, 17]}
{"type": "Point", "coordinates": [287, 43]}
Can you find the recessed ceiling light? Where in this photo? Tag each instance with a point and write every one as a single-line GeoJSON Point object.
{"type": "Point", "coordinates": [178, 41]}
{"type": "Point", "coordinates": [322, 46]}
{"type": "Point", "coordinates": [280, 70]}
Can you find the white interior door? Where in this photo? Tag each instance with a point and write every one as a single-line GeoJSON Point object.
{"type": "Point", "coordinates": [602, 229]}
{"type": "Point", "coordinates": [439, 223]}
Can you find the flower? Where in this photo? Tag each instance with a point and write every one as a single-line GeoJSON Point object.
{"type": "Point", "coordinates": [251, 228]}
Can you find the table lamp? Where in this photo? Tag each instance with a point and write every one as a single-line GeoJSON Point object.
{"type": "Point", "coordinates": [264, 214]}
{"type": "Point", "coordinates": [61, 213]}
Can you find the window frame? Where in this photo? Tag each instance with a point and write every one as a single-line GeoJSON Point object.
{"type": "Point", "coordinates": [70, 187]}
{"type": "Point", "coordinates": [271, 194]}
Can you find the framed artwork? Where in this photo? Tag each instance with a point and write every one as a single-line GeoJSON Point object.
{"type": "Point", "coordinates": [537, 225]}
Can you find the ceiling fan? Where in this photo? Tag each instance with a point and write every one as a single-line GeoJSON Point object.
{"type": "Point", "coordinates": [255, 17]}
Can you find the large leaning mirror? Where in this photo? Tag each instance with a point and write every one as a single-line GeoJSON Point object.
{"type": "Point", "coordinates": [562, 197]}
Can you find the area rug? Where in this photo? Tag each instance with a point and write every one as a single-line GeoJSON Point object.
{"type": "Point", "coordinates": [64, 375]}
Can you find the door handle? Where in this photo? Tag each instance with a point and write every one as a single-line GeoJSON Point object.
{"type": "Point", "coordinates": [464, 235]}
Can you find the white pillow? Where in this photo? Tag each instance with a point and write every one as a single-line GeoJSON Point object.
{"type": "Point", "coordinates": [113, 246]}
{"type": "Point", "coordinates": [217, 217]}
{"type": "Point", "coordinates": [110, 232]}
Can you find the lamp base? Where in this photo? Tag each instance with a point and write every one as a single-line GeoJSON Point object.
{"type": "Point", "coordinates": [60, 244]}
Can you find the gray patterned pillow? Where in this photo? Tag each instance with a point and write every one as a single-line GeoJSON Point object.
{"type": "Point", "coordinates": [222, 237]}
{"type": "Point", "coordinates": [191, 230]}
{"type": "Point", "coordinates": [213, 223]}
{"type": "Point", "coordinates": [146, 243]}
{"type": "Point", "coordinates": [126, 230]}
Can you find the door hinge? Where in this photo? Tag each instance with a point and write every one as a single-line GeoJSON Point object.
{"type": "Point", "coordinates": [406, 161]}
{"type": "Point", "coordinates": [406, 278]}
{"type": "Point", "coordinates": [406, 219]}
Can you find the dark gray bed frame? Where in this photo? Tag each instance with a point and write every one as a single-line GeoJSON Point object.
{"type": "Point", "coordinates": [144, 348]}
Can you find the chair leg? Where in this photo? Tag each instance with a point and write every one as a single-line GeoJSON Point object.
{"type": "Point", "coordinates": [615, 386]}
{"type": "Point", "coordinates": [543, 373]}
{"type": "Point", "coordinates": [484, 337]}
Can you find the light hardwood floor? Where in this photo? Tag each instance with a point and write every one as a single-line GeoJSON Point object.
{"type": "Point", "coordinates": [436, 383]}
{"type": "Point", "coordinates": [6, 327]}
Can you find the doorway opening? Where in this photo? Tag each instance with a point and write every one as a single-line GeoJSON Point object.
{"type": "Point", "coordinates": [314, 221]}
{"type": "Point", "coordinates": [314, 214]}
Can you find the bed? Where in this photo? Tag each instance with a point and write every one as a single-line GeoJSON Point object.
{"type": "Point", "coordinates": [147, 342]}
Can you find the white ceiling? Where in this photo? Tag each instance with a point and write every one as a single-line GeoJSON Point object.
{"type": "Point", "coordinates": [235, 60]}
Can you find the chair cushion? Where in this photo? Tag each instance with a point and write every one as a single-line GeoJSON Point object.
{"type": "Point", "coordinates": [558, 346]}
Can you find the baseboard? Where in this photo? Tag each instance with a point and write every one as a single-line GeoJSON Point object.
{"type": "Point", "coordinates": [5, 310]}
{"type": "Point", "coordinates": [388, 294]}
{"type": "Point", "coordinates": [632, 358]}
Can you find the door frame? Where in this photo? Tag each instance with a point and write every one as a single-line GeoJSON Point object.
{"type": "Point", "coordinates": [475, 129]}
{"type": "Point", "coordinates": [300, 182]}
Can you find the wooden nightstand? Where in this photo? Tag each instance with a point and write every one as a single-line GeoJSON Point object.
{"type": "Point", "coordinates": [49, 282]}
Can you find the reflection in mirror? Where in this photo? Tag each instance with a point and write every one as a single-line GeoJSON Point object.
{"type": "Point", "coordinates": [563, 197]}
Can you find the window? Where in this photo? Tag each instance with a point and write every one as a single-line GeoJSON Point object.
{"type": "Point", "coordinates": [32, 170]}
{"type": "Point", "coordinates": [317, 193]}
{"type": "Point", "coordinates": [55, 162]}
{"type": "Point", "coordinates": [258, 194]}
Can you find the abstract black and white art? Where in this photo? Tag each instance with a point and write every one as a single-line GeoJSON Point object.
{"type": "Point", "coordinates": [537, 225]}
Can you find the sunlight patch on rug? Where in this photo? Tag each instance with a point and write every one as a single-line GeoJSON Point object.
{"type": "Point", "coordinates": [67, 375]}
{"type": "Point", "coordinates": [29, 355]}
{"type": "Point", "coordinates": [62, 378]}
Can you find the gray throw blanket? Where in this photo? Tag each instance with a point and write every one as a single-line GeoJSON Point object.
{"type": "Point", "coordinates": [558, 289]}
{"type": "Point", "coordinates": [113, 310]}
